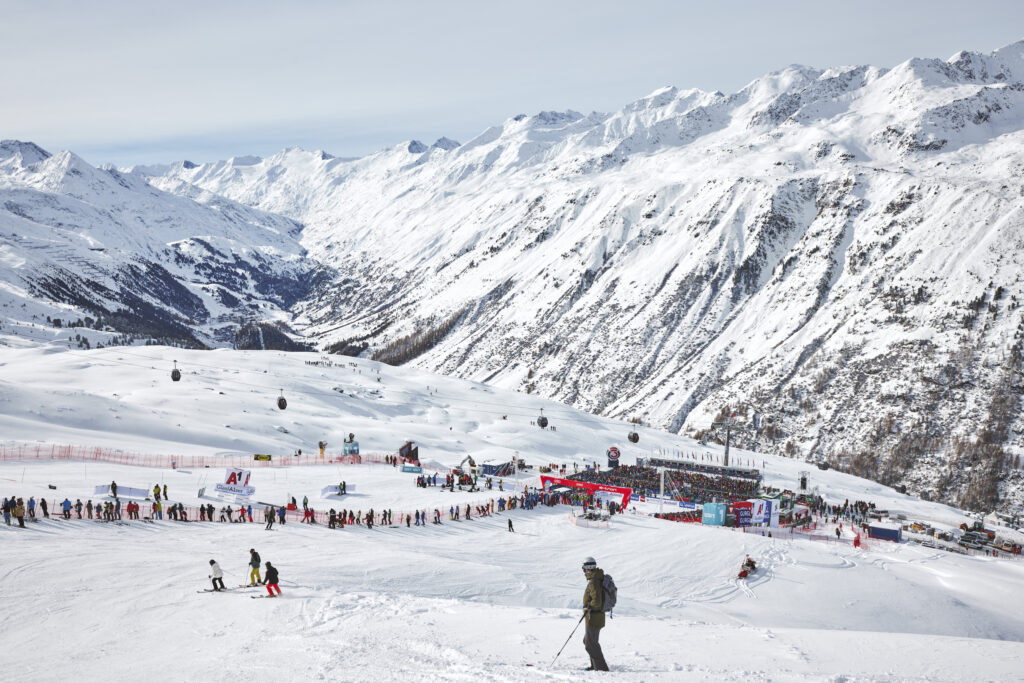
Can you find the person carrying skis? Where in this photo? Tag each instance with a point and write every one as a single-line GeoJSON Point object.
{"type": "Point", "coordinates": [217, 576]}
{"type": "Point", "coordinates": [593, 601]}
{"type": "Point", "coordinates": [272, 580]}
{"type": "Point", "coordinates": [254, 562]}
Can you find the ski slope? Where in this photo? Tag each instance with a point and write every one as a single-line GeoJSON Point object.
{"type": "Point", "coordinates": [463, 601]}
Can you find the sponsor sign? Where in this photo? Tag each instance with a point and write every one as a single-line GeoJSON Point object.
{"type": "Point", "coordinates": [412, 468]}
{"type": "Point", "coordinates": [262, 456]}
{"type": "Point", "coordinates": [757, 510]}
{"type": "Point", "coordinates": [613, 457]}
{"type": "Point", "coordinates": [687, 505]}
{"type": "Point", "coordinates": [236, 482]}
{"type": "Point", "coordinates": [743, 513]}
{"type": "Point", "coordinates": [625, 493]}
{"type": "Point", "coordinates": [713, 514]}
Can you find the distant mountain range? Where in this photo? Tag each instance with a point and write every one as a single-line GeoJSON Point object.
{"type": "Point", "coordinates": [838, 250]}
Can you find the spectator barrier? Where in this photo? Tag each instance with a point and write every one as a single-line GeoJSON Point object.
{"type": "Point", "coordinates": [27, 452]}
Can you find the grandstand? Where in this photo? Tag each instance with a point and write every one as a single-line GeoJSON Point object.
{"type": "Point", "coordinates": [687, 481]}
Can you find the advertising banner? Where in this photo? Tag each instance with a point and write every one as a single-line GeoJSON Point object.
{"type": "Point", "coordinates": [713, 514]}
{"type": "Point", "coordinates": [688, 505]}
{"type": "Point", "coordinates": [547, 482]}
{"type": "Point", "coordinates": [613, 457]}
{"type": "Point", "coordinates": [236, 482]}
{"type": "Point", "coordinates": [336, 489]}
{"type": "Point", "coordinates": [757, 511]}
{"type": "Point", "coordinates": [415, 469]}
{"type": "Point", "coordinates": [123, 491]}
{"type": "Point", "coordinates": [262, 456]}
{"type": "Point", "coordinates": [350, 448]}
{"type": "Point", "coordinates": [743, 513]}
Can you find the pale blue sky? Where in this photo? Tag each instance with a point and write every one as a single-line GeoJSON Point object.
{"type": "Point", "coordinates": [137, 82]}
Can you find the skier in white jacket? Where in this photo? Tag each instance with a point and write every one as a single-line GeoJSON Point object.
{"type": "Point", "coordinates": [217, 576]}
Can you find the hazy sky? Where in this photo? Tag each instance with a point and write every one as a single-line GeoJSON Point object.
{"type": "Point", "coordinates": [143, 82]}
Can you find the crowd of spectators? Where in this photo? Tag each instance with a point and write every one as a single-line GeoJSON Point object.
{"type": "Point", "coordinates": [693, 486]}
{"type": "Point", "coordinates": [717, 470]}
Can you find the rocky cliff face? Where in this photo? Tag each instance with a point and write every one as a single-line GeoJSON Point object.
{"type": "Point", "coordinates": [838, 250]}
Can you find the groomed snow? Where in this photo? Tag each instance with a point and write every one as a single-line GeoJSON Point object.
{"type": "Point", "coordinates": [464, 601]}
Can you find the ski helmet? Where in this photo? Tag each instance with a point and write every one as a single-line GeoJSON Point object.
{"type": "Point", "coordinates": [211, 561]}
{"type": "Point", "coordinates": [589, 563]}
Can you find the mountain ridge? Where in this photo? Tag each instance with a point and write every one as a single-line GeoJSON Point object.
{"type": "Point", "coordinates": [833, 248]}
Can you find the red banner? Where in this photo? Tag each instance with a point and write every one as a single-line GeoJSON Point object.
{"type": "Point", "coordinates": [592, 488]}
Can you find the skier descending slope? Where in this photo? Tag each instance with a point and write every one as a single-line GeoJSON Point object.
{"type": "Point", "coordinates": [254, 563]}
{"type": "Point", "coordinates": [217, 576]}
{"type": "Point", "coordinates": [272, 580]}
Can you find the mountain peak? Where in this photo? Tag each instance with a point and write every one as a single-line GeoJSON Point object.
{"type": "Point", "coordinates": [29, 152]}
{"type": "Point", "coordinates": [416, 147]}
{"type": "Point", "coordinates": [445, 143]}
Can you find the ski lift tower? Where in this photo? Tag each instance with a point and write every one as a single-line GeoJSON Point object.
{"type": "Point", "coordinates": [730, 425]}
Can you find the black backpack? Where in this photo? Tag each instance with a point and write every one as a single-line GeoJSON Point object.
{"type": "Point", "coordinates": [611, 593]}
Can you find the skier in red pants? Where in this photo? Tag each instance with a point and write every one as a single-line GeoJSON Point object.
{"type": "Point", "coordinates": [272, 580]}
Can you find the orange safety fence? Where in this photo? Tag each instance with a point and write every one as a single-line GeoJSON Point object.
{"type": "Point", "coordinates": [27, 452]}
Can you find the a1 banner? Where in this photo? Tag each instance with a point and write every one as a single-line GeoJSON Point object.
{"type": "Point", "coordinates": [236, 482]}
{"type": "Point", "coordinates": [757, 510]}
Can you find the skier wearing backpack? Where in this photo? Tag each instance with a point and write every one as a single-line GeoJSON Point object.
{"type": "Point", "coordinates": [594, 609]}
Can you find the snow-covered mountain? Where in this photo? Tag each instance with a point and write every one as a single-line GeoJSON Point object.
{"type": "Point", "coordinates": [839, 250]}
{"type": "Point", "coordinates": [107, 252]}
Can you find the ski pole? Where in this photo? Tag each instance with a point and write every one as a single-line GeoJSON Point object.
{"type": "Point", "coordinates": [570, 636]}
